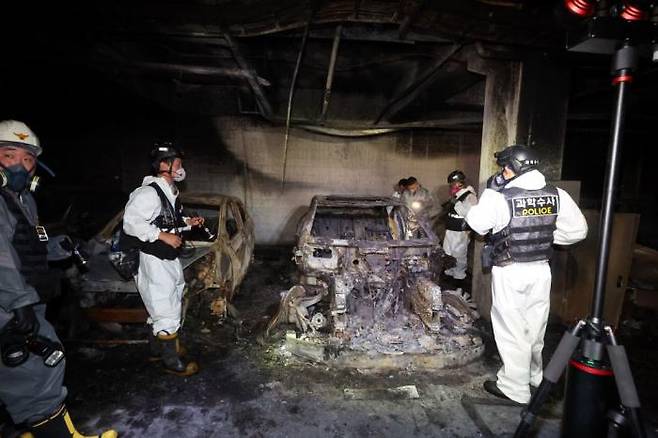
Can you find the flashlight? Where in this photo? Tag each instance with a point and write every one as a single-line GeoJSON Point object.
{"type": "Point", "coordinates": [210, 235]}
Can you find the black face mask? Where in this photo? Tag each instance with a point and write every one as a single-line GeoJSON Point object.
{"type": "Point", "coordinates": [497, 181]}
{"type": "Point", "coordinates": [17, 179]}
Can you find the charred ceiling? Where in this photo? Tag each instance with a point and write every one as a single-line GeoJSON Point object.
{"type": "Point", "coordinates": [376, 64]}
{"type": "Point", "coordinates": [395, 63]}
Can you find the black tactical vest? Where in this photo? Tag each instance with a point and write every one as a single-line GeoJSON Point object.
{"type": "Point", "coordinates": [455, 222]}
{"type": "Point", "coordinates": [529, 235]}
{"type": "Point", "coordinates": [170, 218]}
{"type": "Point", "coordinates": [32, 252]}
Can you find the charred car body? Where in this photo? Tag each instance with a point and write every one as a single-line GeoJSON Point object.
{"type": "Point", "coordinates": [214, 260]}
{"type": "Point", "coordinates": [366, 283]}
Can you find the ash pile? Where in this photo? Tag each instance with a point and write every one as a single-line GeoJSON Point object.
{"type": "Point", "coordinates": [424, 328]}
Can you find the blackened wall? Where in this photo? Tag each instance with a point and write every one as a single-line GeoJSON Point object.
{"type": "Point", "coordinates": [243, 157]}
{"type": "Point", "coordinates": [97, 136]}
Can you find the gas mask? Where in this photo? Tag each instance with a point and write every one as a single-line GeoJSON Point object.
{"type": "Point", "coordinates": [17, 179]}
{"type": "Point", "coordinates": [497, 181]}
{"type": "Point", "coordinates": [178, 175]}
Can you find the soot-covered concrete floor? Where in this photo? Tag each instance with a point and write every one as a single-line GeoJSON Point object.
{"type": "Point", "coordinates": [245, 389]}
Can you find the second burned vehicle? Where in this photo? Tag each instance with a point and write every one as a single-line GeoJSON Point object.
{"type": "Point", "coordinates": [366, 285]}
{"type": "Point", "coordinates": [214, 261]}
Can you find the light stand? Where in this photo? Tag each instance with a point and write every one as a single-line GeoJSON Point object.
{"type": "Point", "coordinates": [599, 359]}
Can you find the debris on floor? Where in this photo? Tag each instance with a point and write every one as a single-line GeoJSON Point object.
{"type": "Point", "coordinates": [406, 392]}
{"type": "Point", "coordinates": [248, 389]}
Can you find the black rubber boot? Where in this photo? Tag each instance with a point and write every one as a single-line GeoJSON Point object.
{"type": "Point", "coordinates": [155, 348]}
{"type": "Point", "coordinates": [60, 425]}
{"type": "Point", "coordinates": [492, 388]}
{"type": "Point", "coordinates": [172, 361]}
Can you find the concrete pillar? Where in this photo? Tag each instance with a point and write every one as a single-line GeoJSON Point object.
{"type": "Point", "coordinates": [543, 107]}
{"type": "Point", "coordinates": [525, 102]}
{"type": "Point", "coordinates": [499, 126]}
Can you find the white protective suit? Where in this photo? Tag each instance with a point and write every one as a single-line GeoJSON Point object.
{"type": "Point", "coordinates": [159, 282]}
{"type": "Point", "coordinates": [521, 291]}
{"type": "Point", "coordinates": [455, 243]}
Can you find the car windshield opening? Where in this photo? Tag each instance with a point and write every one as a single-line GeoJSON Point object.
{"type": "Point", "coordinates": [357, 223]}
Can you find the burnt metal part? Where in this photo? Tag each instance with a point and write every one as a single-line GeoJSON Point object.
{"type": "Point", "coordinates": [366, 286]}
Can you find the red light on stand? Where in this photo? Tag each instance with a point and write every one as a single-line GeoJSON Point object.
{"type": "Point", "coordinates": [632, 12]}
{"type": "Point", "coordinates": [582, 8]}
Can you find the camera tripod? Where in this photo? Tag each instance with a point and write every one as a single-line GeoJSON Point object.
{"type": "Point", "coordinates": [585, 410]}
{"type": "Point", "coordinates": [600, 359]}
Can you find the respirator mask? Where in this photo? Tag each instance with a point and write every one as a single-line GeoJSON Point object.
{"type": "Point", "coordinates": [17, 179]}
{"type": "Point", "coordinates": [497, 181]}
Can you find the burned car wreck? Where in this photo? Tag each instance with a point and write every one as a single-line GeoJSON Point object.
{"type": "Point", "coordinates": [367, 294]}
{"type": "Point", "coordinates": [215, 260]}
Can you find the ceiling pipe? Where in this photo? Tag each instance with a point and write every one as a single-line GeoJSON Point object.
{"type": "Point", "coordinates": [291, 94]}
{"type": "Point", "coordinates": [330, 73]}
{"type": "Point", "coordinates": [410, 93]}
{"type": "Point", "coordinates": [413, 15]}
{"type": "Point", "coordinates": [200, 70]}
{"type": "Point", "coordinates": [261, 98]}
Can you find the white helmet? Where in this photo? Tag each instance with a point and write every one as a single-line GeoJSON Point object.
{"type": "Point", "coordinates": [17, 134]}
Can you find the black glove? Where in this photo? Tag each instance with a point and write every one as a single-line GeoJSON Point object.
{"type": "Point", "coordinates": [25, 321]}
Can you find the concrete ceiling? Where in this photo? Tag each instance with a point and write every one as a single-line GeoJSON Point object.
{"type": "Point", "coordinates": [399, 62]}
